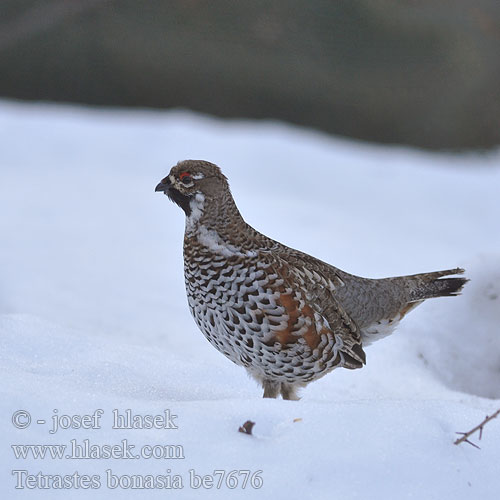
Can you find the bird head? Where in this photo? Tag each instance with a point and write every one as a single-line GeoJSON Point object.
{"type": "Point", "coordinates": [191, 182]}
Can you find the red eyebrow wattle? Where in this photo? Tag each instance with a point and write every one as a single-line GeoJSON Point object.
{"type": "Point", "coordinates": [184, 174]}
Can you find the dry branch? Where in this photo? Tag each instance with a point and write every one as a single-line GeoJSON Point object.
{"type": "Point", "coordinates": [466, 435]}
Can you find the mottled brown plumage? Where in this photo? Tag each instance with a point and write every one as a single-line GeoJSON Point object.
{"type": "Point", "coordinates": [285, 316]}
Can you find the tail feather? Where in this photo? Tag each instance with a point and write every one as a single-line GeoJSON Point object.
{"type": "Point", "coordinates": [436, 285]}
{"type": "Point", "coordinates": [415, 289]}
{"type": "Point", "coordinates": [448, 287]}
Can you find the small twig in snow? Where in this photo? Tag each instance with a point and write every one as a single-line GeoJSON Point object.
{"type": "Point", "coordinates": [466, 435]}
{"type": "Point", "coordinates": [247, 428]}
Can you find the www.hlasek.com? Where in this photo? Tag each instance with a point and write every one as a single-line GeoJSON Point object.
{"type": "Point", "coordinates": [87, 450]}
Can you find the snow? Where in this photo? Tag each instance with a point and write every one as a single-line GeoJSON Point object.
{"type": "Point", "coordinates": [93, 313]}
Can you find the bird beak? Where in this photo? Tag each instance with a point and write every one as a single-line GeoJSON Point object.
{"type": "Point", "coordinates": [163, 186]}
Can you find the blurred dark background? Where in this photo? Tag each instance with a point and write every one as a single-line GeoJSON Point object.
{"type": "Point", "coordinates": [419, 72]}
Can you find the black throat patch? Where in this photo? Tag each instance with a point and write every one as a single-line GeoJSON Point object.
{"type": "Point", "coordinates": [180, 199]}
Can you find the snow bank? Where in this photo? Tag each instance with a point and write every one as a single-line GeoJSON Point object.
{"type": "Point", "coordinates": [462, 341]}
{"type": "Point", "coordinates": [93, 314]}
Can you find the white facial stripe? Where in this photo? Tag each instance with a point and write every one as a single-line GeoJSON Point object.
{"type": "Point", "coordinates": [211, 239]}
{"type": "Point", "coordinates": [197, 177]}
{"type": "Point", "coordinates": [197, 205]}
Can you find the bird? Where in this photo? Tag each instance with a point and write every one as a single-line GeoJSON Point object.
{"type": "Point", "coordinates": [285, 316]}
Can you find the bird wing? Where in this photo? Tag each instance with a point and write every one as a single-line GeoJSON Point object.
{"type": "Point", "coordinates": [315, 317]}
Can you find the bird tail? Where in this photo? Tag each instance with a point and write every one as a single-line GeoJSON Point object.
{"type": "Point", "coordinates": [429, 285]}
{"type": "Point", "coordinates": [415, 289]}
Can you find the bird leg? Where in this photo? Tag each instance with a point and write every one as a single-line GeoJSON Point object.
{"type": "Point", "coordinates": [288, 392]}
{"type": "Point", "coordinates": [271, 389]}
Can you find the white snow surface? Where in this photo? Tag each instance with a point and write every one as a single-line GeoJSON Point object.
{"type": "Point", "coordinates": [93, 313]}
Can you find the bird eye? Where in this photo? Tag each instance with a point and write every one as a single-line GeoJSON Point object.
{"type": "Point", "coordinates": [185, 178]}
